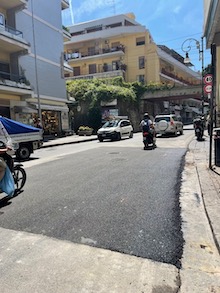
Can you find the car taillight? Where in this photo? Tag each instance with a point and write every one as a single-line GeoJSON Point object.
{"type": "Point", "coordinates": [172, 123]}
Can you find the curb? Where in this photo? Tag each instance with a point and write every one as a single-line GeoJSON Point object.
{"type": "Point", "coordinates": [66, 143]}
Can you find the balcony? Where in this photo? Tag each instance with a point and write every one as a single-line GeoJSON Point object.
{"type": "Point", "coordinates": [67, 68]}
{"type": "Point", "coordinates": [11, 40]}
{"type": "Point", "coordinates": [66, 34]}
{"type": "Point", "coordinates": [171, 76]}
{"type": "Point", "coordinates": [14, 84]}
{"type": "Point", "coordinates": [7, 4]}
{"type": "Point", "coordinates": [65, 4]}
{"type": "Point", "coordinates": [118, 51]}
{"type": "Point", "coordinates": [107, 74]}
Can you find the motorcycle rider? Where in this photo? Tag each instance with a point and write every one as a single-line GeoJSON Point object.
{"type": "Point", "coordinates": [199, 126]}
{"type": "Point", "coordinates": [147, 126]}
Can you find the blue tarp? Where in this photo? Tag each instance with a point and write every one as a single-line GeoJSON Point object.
{"type": "Point", "coordinates": [15, 127]}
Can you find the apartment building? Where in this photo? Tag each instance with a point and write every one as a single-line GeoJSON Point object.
{"type": "Point", "coordinates": [212, 35]}
{"type": "Point", "coordinates": [32, 67]}
{"type": "Point", "coordinates": [120, 46]}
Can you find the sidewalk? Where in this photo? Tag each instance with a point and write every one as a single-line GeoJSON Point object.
{"type": "Point", "coordinates": [200, 209]}
{"type": "Point", "coordinates": [40, 264]}
{"type": "Point", "coordinates": [68, 140]}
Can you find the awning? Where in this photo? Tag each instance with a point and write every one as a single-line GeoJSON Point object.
{"type": "Point", "coordinates": [54, 108]}
{"type": "Point", "coordinates": [21, 109]}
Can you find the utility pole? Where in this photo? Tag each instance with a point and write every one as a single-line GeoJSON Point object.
{"type": "Point", "coordinates": [212, 100]}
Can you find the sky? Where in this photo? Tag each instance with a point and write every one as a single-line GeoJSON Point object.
{"type": "Point", "coordinates": [171, 22]}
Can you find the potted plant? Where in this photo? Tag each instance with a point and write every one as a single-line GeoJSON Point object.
{"type": "Point", "coordinates": [85, 130]}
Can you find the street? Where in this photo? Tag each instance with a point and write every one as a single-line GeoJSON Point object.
{"type": "Point", "coordinates": [110, 195]}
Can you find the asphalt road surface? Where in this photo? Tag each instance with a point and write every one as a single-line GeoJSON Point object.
{"type": "Point", "coordinates": [111, 195]}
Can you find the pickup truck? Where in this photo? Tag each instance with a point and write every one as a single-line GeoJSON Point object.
{"type": "Point", "coordinates": [24, 138]}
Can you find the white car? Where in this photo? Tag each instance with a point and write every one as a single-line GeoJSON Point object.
{"type": "Point", "coordinates": [168, 124]}
{"type": "Point", "coordinates": [115, 130]}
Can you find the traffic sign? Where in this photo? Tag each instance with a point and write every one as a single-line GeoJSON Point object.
{"type": "Point", "coordinates": [208, 79]}
{"type": "Point", "coordinates": [208, 88]}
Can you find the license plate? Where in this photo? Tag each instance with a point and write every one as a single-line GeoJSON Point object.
{"type": "Point", "coordinates": [197, 130]}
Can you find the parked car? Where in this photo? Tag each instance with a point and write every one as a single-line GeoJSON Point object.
{"type": "Point", "coordinates": [168, 124]}
{"type": "Point", "coordinates": [115, 130]}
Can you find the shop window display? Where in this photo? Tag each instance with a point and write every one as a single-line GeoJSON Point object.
{"type": "Point", "coordinates": [50, 122]}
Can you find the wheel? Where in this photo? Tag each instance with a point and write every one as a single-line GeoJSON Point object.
{"type": "Point", "coordinates": [118, 136]}
{"type": "Point", "coordinates": [131, 134]}
{"type": "Point", "coordinates": [163, 125]}
{"type": "Point", "coordinates": [23, 153]}
{"type": "Point", "coordinates": [20, 177]}
{"type": "Point", "coordinates": [100, 139]}
{"type": "Point", "coordinates": [181, 132]}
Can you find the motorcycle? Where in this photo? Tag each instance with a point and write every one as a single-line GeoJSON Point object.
{"type": "Point", "coordinates": [199, 128]}
{"type": "Point", "coordinates": [149, 140]}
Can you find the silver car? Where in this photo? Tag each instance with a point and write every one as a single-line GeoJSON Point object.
{"type": "Point", "coordinates": [169, 123]}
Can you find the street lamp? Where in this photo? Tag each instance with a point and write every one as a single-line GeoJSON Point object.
{"type": "Point", "coordinates": [186, 47]}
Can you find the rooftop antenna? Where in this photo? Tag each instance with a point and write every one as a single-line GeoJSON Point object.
{"type": "Point", "coordinates": [71, 12]}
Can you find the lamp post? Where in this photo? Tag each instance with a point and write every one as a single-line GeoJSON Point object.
{"type": "Point", "coordinates": [186, 47]}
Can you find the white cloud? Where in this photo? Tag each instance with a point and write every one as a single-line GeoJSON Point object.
{"type": "Point", "coordinates": [89, 6]}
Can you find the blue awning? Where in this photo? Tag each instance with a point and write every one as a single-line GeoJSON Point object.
{"type": "Point", "coordinates": [15, 127]}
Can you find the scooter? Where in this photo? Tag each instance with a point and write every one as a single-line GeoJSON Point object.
{"type": "Point", "coordinates": [16, 169]}
{"type": "Point", "coordinates": [199, 128]}
{"type": "Point", "coordinates": [149, 140]}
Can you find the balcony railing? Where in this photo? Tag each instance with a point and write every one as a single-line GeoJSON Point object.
{"type": "Point", "coordinates": [7, 76]}
{"type": "Point", "coordinates": [13, 31]}
{"type": "Point", "coordinates": [107, 74]}
{"type": "Point", "coordinates": [101, 51]}
{"type": "Point", "coordinates": [176, 77]}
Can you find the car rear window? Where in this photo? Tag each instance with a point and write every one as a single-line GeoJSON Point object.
{"type": "Point", "coordinates": [157, 119]}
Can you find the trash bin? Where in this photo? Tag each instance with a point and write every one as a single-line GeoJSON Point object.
{"type": "Point", "coordinates": [217, 146]}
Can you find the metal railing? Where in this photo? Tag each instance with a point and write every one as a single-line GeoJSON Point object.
{"type": "Point", "coordinates": [5, 76]}
{"type": "Point", "coordinates": [13, 31]}
{"type": "Point", "coordinates": [79, 55]}
{"type": "Point", "coordinates": [181, 79]}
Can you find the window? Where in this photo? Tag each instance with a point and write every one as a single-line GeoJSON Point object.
{"type": "Point", "coordinates": [4, 70]}
{"type": "Point", "coordinates": [92, 68]}
{"type": "Point", "coordinates": [114, 25]}
{"type": "Point", "coordinates": [2, 19]}
{"type": "Point", "coordinates": [140, 41]}
{"type": "Point", "coordinates": [77, 33]}
{"type": "Point", "coordinates": [94, 28]}
{"type": "Point", "coordinates": [76, 71]}
{"type": "Point", "coordinates": [91, 51]}
{"type": "Point", "coordinates": [140, 78]}
{"type": "Point", "coordinates": [126, 123]}
{"type": "Point", "coordinates": [115, 65]}
{"type": "Point", "coordinates": [141, 62]}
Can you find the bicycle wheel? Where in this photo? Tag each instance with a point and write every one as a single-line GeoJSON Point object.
{"type": "Point", "coordinates": [20, 177]}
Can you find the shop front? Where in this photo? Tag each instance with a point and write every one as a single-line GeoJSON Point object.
{"type": "Point", "coordinates": [55, 119]}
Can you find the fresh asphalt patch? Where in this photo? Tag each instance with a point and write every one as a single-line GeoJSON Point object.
{"type": "Point", "coordinates": [121, 199]}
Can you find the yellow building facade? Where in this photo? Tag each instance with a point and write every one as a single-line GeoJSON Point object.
{"type": "Point", "coordinates": [120, 46]}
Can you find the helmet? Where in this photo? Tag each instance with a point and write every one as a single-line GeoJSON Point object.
{"type": "Point", "coordinates": [146, 115]}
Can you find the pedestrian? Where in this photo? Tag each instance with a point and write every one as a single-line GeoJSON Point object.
{"type": "Point", "coordinates": [38, 124]}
